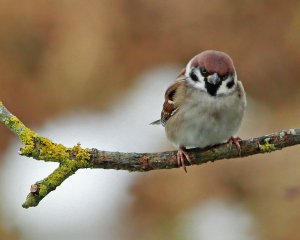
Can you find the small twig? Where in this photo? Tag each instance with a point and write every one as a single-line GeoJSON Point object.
{"type": "Point", "coordinates": [72, 159]}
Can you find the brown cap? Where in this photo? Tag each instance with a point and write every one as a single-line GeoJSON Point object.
{"type": "Point", "coordinates": [214, 62]}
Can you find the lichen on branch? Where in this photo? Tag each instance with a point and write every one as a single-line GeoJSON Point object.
{"type": "Point", "coordinates": [71, 159]}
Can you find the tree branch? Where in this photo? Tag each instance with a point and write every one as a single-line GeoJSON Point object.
{"type": "Point", "coordinates": [72, 159]}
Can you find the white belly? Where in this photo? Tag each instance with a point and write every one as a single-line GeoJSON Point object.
{"type": "Point", "coordinates": [206, 122]}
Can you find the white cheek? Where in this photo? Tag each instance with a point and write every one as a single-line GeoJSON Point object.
{"type": "Point", "coordinates": [223, 89]}
{"type": "Point", "coordinates": [197, 84]}
{"type": "Point", "coordinates": [200, 85]}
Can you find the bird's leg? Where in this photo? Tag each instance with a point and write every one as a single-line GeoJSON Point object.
{"type": "Point", "coordinates": [235, 141]}
{"type": "Point", "coordinates": [181, 156]}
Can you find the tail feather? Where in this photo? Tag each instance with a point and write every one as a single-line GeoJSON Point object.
{"type": "Point", "coordinates": [157, 122]}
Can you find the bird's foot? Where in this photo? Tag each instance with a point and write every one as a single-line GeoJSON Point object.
{"type": "Point", "coordinates": [181, 156]}
{"type": "Point", "coordinates": [235, 141]}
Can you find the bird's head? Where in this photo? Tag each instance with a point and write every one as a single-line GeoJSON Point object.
{"type": "Point", "coordinates": [213, 72]}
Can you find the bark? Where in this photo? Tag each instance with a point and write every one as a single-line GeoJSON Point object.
{"type": "Point", "coordinates": [72, 159]}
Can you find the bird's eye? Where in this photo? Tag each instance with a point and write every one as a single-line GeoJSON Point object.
{"type": "Point", "coordinates": [223, 77]}
{"type": "Point", "coordinates": [204, 72]}
{"type": "Point", "coordinates": [194, 76]}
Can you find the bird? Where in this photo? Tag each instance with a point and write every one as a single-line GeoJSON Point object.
{"type": "Point", "coordinates": [204, 106]}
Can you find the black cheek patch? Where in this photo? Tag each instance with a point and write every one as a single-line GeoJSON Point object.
{"type": "Point", "coordinates": [194, 76]}
{"type": "Point", "coordinates": [230, 84]}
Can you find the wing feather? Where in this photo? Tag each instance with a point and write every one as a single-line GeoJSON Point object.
{"type": "Point", "coordinates": [172, 100]}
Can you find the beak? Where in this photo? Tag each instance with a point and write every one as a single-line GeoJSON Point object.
{"type": "Point", "coordinates": [213, 79]}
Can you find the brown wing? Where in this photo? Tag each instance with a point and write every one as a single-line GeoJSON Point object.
{"type": "Point", "coordinates": [173, 98]}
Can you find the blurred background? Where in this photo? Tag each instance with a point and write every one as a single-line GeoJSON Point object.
{"type": "Point", "coordinates": [95, 72]}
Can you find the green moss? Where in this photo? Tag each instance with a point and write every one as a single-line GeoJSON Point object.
{"type": "Point", "coordinates": [57, 177]}
{"type": "Point", "coordinates": [25, 134]}
{"type": "Point", "coordinates": [43, 148]}
{"type": "Point", "coordinates": [27, 137]}
{"type": "Point", "coordinates": [32, 200]}
{"type": "Point", "coordinates": [14, 124]}
{"type": "Point", "coordinates": [50, 151]}
{"type": "Point", "coordinates": [81, 154]}
{"type": "Point", "coordinates": [50, 183]}
{"type": "Point", "coordinates": [43, 190]}
{"type": "Point", "coordinates": [38, 147]}
{"type": "Point", "coordinates": [267, 146]}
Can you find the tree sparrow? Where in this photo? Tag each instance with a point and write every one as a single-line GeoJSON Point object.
{"type": "Point", "coordinates": [205, 105]}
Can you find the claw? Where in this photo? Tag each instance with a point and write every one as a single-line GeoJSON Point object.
{"type": "Point", "coordinates": [235, 141]}
{"type": "Point", "coordinates": [181, 156]}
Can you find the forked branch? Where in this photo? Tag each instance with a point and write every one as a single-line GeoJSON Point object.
{"type": "Point", "coordinates": [72, 159]}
